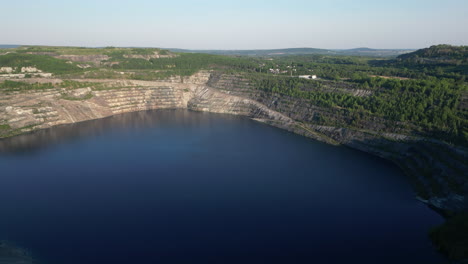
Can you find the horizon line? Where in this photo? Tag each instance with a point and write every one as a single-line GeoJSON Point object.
{"type": "Point", "coordinates": [218, 49]}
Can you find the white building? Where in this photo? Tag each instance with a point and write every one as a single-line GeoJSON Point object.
{"type": "Point", "coordinates": [308, 77]}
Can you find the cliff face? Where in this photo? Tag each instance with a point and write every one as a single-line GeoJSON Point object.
{"type": "Point", "coordinates": [437, 169]}
{"type": "Point", "coordinates": [24, 111]}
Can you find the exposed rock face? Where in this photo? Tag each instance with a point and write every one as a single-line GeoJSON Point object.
{"type": "Point", "coordinates": [23, 75]}
{"type": "Point", "coordinates": [6, 70]}
{"type": "Point", "coordinates": [148, 57]}
{"type": "Point", "coordinates": [96, 59]}
{"type": "Point", "coordinates": [30, 69]}
{"type": "Point", "coordinates": [45, 108]}
{"type": "Point", "coordinates": [437, 168]}
{"type": "Point", "coordinates": [84, 66]}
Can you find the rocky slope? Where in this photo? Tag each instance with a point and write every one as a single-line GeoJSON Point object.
{"type": "Point", "coordinates": [438, 170]}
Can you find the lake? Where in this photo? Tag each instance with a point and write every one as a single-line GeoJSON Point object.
{"type": "Point", "coordinates": [176, 186]}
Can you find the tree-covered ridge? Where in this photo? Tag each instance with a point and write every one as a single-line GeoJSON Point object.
{"type": "Point", "coordinates": [439, 54]}
{"type": "Point", "coordinates": [429, 106]}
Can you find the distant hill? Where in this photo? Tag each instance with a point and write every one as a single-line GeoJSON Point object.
{"type": "Point", "coordinates": [368, 52]}
{"type": "Point", "coordinates": [9, 46]}
{"type": "Point", "coordinates": [437, 55]}
{"type": "Point", "coordinates": [302, 51]}
{"type": "Point", "coordinates": [272, 52]}
{"type": "Point", "coordinates": [361, 50]}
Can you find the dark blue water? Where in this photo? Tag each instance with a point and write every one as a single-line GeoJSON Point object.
{"type": "Point", "coordinates": [186, 187]}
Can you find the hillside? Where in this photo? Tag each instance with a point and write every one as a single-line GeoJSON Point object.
{"type": "Point", "coordinates": [366, 52]}
{"type": "Point", "coordinates": [374, 52]}
{"type": "Point", "coordinates": [301, 51]}
{"type": "Point", "coordinates": [269, 52]}
{"type": "Point", "coordinates": [437, 55]}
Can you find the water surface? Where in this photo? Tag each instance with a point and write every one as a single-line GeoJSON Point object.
{"type": "Point", "coordinates": [185, 187]}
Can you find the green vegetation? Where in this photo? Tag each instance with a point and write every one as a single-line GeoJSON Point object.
{"type": "Point", "coordinates": [9, 86]}
{"type": "Point", "coordinates": [101, 74]}
{"type": "Point", "coordinates": [50, 50]}
{"type": "Point", "coordinates": [430, 104]}
{"type": "Point", "coordinates": [42, 62]}
{"type": "Point", "coordinates": [452, 237]}
{"type": "Point", "coordinates": [76, 98]}
{"type": "Point", "coordinates": [4, 127]}
{"type": "Point", "coordinates": [10, 132]}
{"type": "Point", "coordinates": [442, 61]}
{"type": "Point", "coordinates": [439, 54]}
{"type": "Point", "coordinates": [185, 64]}
{"type": "Point", "coordinates": [74, 84]}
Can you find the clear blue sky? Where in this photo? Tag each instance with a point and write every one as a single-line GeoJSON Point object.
{"type": "Point", "coordinates": [236, 24]}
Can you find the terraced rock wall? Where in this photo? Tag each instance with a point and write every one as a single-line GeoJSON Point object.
{"type": "Point", "coordinates": [23, 111]}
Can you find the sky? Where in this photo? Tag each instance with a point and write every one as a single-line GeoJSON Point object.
{"type": "Point", "coordinates": [236, 24]}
